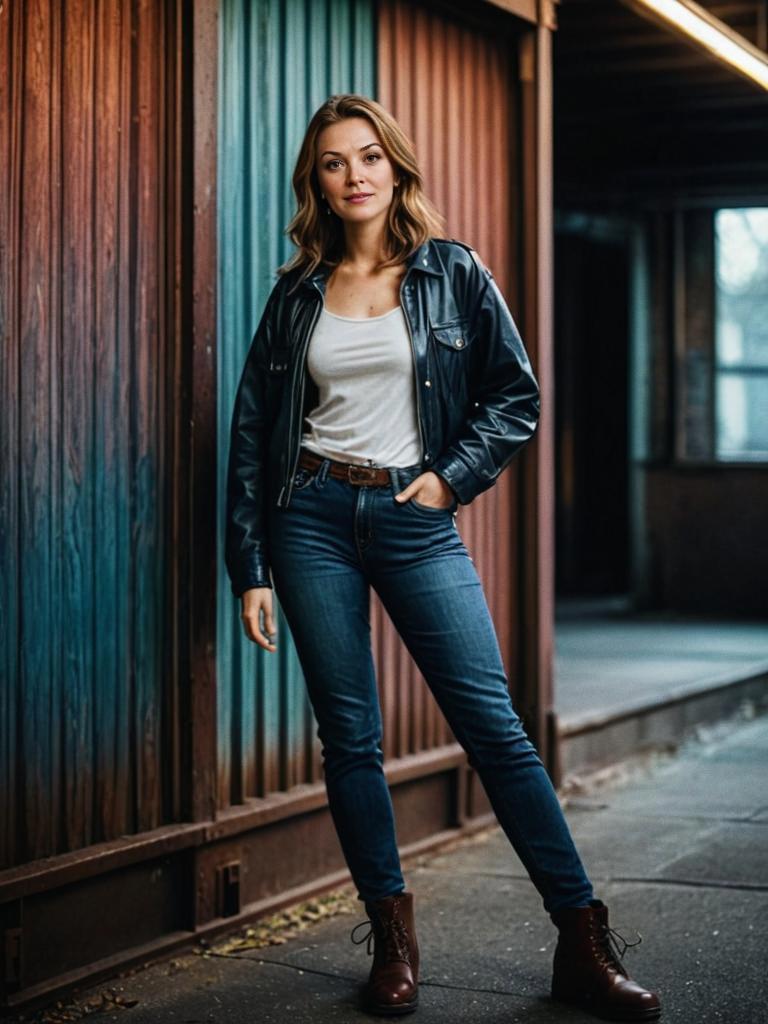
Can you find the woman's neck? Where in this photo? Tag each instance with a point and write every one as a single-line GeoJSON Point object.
{"type": "Point", "coordinates": [364, 248]}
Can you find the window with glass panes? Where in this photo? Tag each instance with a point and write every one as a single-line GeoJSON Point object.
{"type": "Point", "coordinates": [741, 334]}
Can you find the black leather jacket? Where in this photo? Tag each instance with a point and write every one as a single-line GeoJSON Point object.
{"type": "Point", "coordinates": [477, 396]}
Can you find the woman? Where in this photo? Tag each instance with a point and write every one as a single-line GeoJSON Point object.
{"type": "Point", "coordinates": [385, 385]}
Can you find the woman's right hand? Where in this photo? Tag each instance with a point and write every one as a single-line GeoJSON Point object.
{"type": "Point", "coordinates": [255, 601]}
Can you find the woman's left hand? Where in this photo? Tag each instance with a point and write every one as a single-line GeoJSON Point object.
{"type": "Point", "coordinates": [429, 489]}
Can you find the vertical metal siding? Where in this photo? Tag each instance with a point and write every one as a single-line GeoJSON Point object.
{"type": "Point", "coordinates": [83, 427]}
{"type": "Point", "coordinates": [453, 88]}
{"type": "Point", "coordinates": [279, 59]}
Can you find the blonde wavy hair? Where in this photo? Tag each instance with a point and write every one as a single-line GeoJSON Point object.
{"type": "Point", "coordinates": [412, 217]}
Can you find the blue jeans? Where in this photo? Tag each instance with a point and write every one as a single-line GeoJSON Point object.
{"type": "Point", "coordinates": [335, 541]}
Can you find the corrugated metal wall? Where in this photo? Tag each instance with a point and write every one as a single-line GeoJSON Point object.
{"type": "Point", "coordinates": [279, 59]}
{"type": "Point", "coordinates": [89, 747]}
{"type": "Point", "coordinates": [107, 690]}
{"type": "Point", "coordinates": [83, 424]}
{"type": "Point", "coordinates": [452, 86]}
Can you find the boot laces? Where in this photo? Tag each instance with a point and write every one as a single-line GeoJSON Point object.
{"type": "Point", "coordinates": [393, 933]}
{"type": "Point", "coordinates": [608, 947]}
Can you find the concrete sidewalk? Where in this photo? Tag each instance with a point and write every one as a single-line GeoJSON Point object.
{"type": "Point", "coordinates": [610, 662]}
{"type": "Point", "coordinates": [678, 851]}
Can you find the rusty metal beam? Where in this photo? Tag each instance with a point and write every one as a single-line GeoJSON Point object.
{"type": "Point", "coordinates": [528, 10]}
{"type": "Point", "coordinates": [195, 448]}
{"type": "Point", "coordinates": [99, 858]}
{"type": "Point", "coordinates": [537, 691]}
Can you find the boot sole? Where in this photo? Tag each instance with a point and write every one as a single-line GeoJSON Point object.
{"type": "Point", "coordinates": [606, 1013]}
{"type": "Point", "coordinates": [391, 1009]}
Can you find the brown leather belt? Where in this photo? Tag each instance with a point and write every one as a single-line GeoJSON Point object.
{"type": "Point", "coordinates": [368, 476]}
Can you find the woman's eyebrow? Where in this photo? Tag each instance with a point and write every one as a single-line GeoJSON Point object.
{"type": "Point", "coordinates": [336, 153]}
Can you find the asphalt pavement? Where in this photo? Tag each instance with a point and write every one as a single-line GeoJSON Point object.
{"type": "Point", "coordinates": [677, 848]}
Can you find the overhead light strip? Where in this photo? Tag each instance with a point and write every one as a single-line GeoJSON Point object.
{"type": "Point", "coordinates": [714, 35]}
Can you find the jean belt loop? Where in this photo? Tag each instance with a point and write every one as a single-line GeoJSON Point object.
{"type": "Point", "coordinates": [394, 476]}
{"type": "Point", "coordinates": [322, 472]}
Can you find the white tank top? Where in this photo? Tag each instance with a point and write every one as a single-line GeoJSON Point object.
{"type": "Point", "coordinates": [366, 412]}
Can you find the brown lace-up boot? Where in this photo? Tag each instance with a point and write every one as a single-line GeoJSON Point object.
{"type": "Point", "coordinates": [587, 968]}
{"type": "Point", "coordinates": [392, 986]}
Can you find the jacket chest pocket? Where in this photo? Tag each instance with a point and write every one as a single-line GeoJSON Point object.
{"type": "Point", "coordinates": [449, 353]}
{"type": "Point", "coordinates": [452, 336]}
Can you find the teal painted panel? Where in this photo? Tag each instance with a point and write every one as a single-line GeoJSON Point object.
{"type": "Point", "coordinates": [279, 59]}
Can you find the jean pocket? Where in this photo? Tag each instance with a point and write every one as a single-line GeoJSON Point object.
{"type": "Point", "coordinates": [432, 510]}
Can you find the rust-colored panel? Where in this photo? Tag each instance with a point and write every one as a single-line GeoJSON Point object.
{"type": "Point", "coordinates": [453, 87]}
{"type": "Point", "coordinates": [10, 120]}
{"type": "Point", "coordinates": [75, 485]}
{"type": "Point", "coordinates": [39, 419]}
{"type": "Point", "coordinates": [87, 300]}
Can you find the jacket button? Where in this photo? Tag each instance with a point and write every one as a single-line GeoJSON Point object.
{"type": "Point", "coordinates": [459, 343]}
{"type": "Point", "coordinates": [427, 383]}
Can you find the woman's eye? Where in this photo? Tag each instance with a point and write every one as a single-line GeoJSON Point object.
{"type": "Point", "coordinates": [330, 163]}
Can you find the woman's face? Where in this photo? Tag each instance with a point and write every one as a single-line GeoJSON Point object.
{"type": "Point", "coordinates": [350, 160]}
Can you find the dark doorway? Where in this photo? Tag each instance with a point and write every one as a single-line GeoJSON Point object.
{"type": "Point", "coordinates": [591, 415]}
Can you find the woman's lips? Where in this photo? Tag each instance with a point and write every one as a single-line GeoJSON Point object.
{"type": "Point", "coordinates": [358, 199]}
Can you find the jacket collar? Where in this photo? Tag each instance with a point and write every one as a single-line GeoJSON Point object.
{"type": "Point", "coordinates": [424, 258]}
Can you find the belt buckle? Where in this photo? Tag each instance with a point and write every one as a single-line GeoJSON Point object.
{"type": "Point", "coordinates": [361, 474]}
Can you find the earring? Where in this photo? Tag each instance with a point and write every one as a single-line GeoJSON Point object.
{"type": "Point", "coordinates": [327, 207]}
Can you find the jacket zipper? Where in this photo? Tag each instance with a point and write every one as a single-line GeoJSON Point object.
{"type": "Point", "coordinates": [415, 367]}
{"type": "Point", "coordinates": [295, 454]}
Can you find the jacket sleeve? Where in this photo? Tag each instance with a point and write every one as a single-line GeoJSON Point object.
{"type": "Point", "coordinates": [245, 544]}
{"type": "Point", "coordinates": [504, 396]}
